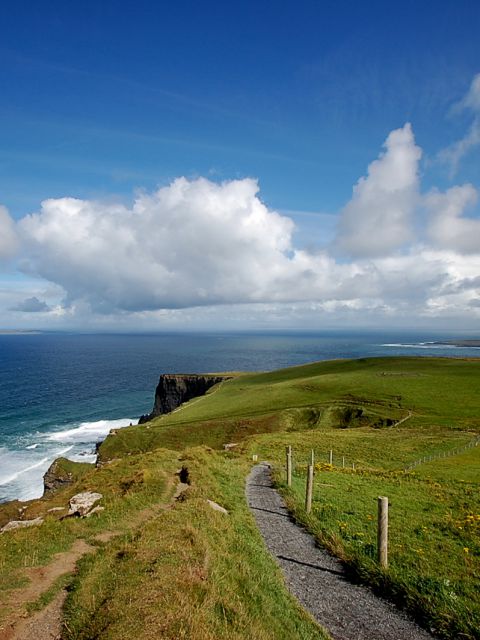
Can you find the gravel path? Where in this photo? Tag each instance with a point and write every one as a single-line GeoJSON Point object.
{"type": "Point", "coordinates": [317, 579]}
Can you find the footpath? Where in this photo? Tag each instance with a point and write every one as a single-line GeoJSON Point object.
{"type": "Point", "coordinates": [318, 580]}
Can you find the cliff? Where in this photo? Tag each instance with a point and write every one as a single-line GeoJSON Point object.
{"type": "Point", "coordinates": [173, 389]}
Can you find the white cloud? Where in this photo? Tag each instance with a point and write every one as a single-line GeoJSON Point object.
{"type": "Point", "coordinates": [456, 151]}
{"type": "Point", "coordinates": [378, 218]}
{"type": "Point", "coordinates": [448, 228]}
{"type": "Point", "coordinates": [190, 243]}
{"type": "Point", "coordinates": [219, 248]}
{"type": "Point", "coordinates": [8, 236]}
{"type": "Point", "coordinates": [472, 99]}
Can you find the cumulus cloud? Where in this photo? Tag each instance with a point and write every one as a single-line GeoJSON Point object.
{"type": "Point", "coordinates": [455, 152]}
{"type": "Point", "coordinates": [190, 243]}
{"type": "Point", "coordinates": [217, 246]}
{"type": "Point", "coordinates": [378, 218]}
{"type": "Point", "coordinates": [8, 236]}
{"type": "Point", "coordinates": [31, 305]}
{"type": "Point", "coordinates": [449, 228]}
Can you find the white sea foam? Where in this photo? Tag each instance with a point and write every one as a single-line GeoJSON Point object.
{"type": "Point", "coordinates": [22, 469]}
{"type": "Point", "coordinates": [87, 432]}
{"type": "Point", "coordinates": [11, 476]}
{"type": "Point", "coordinates": [419, 345]}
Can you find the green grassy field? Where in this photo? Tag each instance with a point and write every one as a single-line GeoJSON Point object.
{"type": "Point", "coordinates": [440, 392]}
{"type": "Point", "coordinates": [191, 572]}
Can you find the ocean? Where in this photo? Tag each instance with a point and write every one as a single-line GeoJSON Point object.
{"type": "Point", "coordinates": [61, 393]}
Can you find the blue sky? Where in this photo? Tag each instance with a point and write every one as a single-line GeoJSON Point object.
{"type": "Point", "coordinates": [101, 100]}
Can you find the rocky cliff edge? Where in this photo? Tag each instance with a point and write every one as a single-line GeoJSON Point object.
{"type": "Point", "coordinates": [174, 389]}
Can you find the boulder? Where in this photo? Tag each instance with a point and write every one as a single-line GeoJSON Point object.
{"type": "Point", "coordinates": [21, 524]}
{"type": "Point", "coordinates": [82, 503]}
{"type": "Point", "coordinates": [230, 445]}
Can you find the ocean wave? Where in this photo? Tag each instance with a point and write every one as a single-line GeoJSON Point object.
{"type": "Point", "coordinates": [87, 432]}
{"type": "Point", "coordinates": [418, 345]}
{"type": "Point", "coordinates": [15, 459]}
{"type": "Point", "coordinates": [26, 459]}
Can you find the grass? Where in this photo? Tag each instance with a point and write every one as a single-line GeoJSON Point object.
{"type": "Point", "coordinates": [434, 544]}
{"type": "Point", "coordinates": [439, 391]}
{"type": "Point", "coordinates": [192, 572]}
{"type": "Point", "coordinates": [47, 596]}
{"type": "Point", "coordinates": [127, 486]}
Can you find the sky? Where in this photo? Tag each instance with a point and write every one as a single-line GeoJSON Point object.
{"type": "Point", "coordinates": [254, 165]}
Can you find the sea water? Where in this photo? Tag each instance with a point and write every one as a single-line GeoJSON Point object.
{"type": "Point", "coordinates": [60, 394]}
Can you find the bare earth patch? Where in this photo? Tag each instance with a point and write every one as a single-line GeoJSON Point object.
{"type": "Point", "coordinates": [47, 623]}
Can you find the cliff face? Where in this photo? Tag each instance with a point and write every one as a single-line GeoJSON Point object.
{"type": "Point", "coordinates": [174, 388]}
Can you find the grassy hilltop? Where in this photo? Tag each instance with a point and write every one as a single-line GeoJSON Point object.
{"type": "Point", "coordinates": [181, 570]}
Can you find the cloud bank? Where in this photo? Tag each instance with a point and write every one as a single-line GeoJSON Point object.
{"type": "Point", "coordinates": [32, 305]}
{"type": "Point", "coordinates": [198, 243]}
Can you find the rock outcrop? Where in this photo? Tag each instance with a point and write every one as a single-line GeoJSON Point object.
{"type": "Point", "coordinates": [21, 524]}
{"type": "Point", "coordinates": [56, 477]}
{"type": "Point", "coordinates": [82, 504]}
{"type": "Point", "coordinates": [61, 473]}
{"type": "Point", "coordinates": [174, 389]}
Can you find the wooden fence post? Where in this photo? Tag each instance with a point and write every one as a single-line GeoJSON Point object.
{"type": "Point", "coordinates": [289, 466]}
{"type": "Point", "coordinates": [343, 462]}
{"type": "Point", "coordinates": [382, 531]}
{"type": "Point", "coordinates": [309, 492]}
{"type": "Point", "coordinates": [331, 456]}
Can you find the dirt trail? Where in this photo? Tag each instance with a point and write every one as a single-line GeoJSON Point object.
{"type": "Point", "coordinates": [318, 580]}
{"type": "Point", "coordinates": [41, 579]}
{"type": "Point", "coordinates": [46, 624]}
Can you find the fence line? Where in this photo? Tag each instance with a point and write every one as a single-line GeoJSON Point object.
{"type": "Point", "coordinates": [330, 457]}
{"type": "Point", "coordinates": [382, 520]}
{"type": "Point", "coordinates": [443, 454]}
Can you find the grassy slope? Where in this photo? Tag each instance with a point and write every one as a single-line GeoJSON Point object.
{"type": "Point", "coordinates": [434, 531]}
{"type": "Point", "coordinates": [181, 572]}
{"type": "Point", "coordinates": [191, 572]}
{"type": "Point", "coordinates": [444, 391]}
{"type": "Point", "coordinates": [127, 486]}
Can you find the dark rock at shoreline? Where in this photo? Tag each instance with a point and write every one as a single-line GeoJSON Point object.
{"type": "Point", "coordinates": [62, 473]}
{"type": "Point", "coordinates": [174, 389]}
{"type": "Point", "coordinates": [55, 478]}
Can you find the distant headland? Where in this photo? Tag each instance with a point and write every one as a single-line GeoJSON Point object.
{"type": "Point", "coordinates": [459, 343]}
{"type": "Point", "coordinates": [18, 332]}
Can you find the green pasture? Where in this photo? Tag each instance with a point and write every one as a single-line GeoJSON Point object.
{"type": "Point", "coordinates": [188, 571]}
{"type": "Point", "coordinates": [438, 391]}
